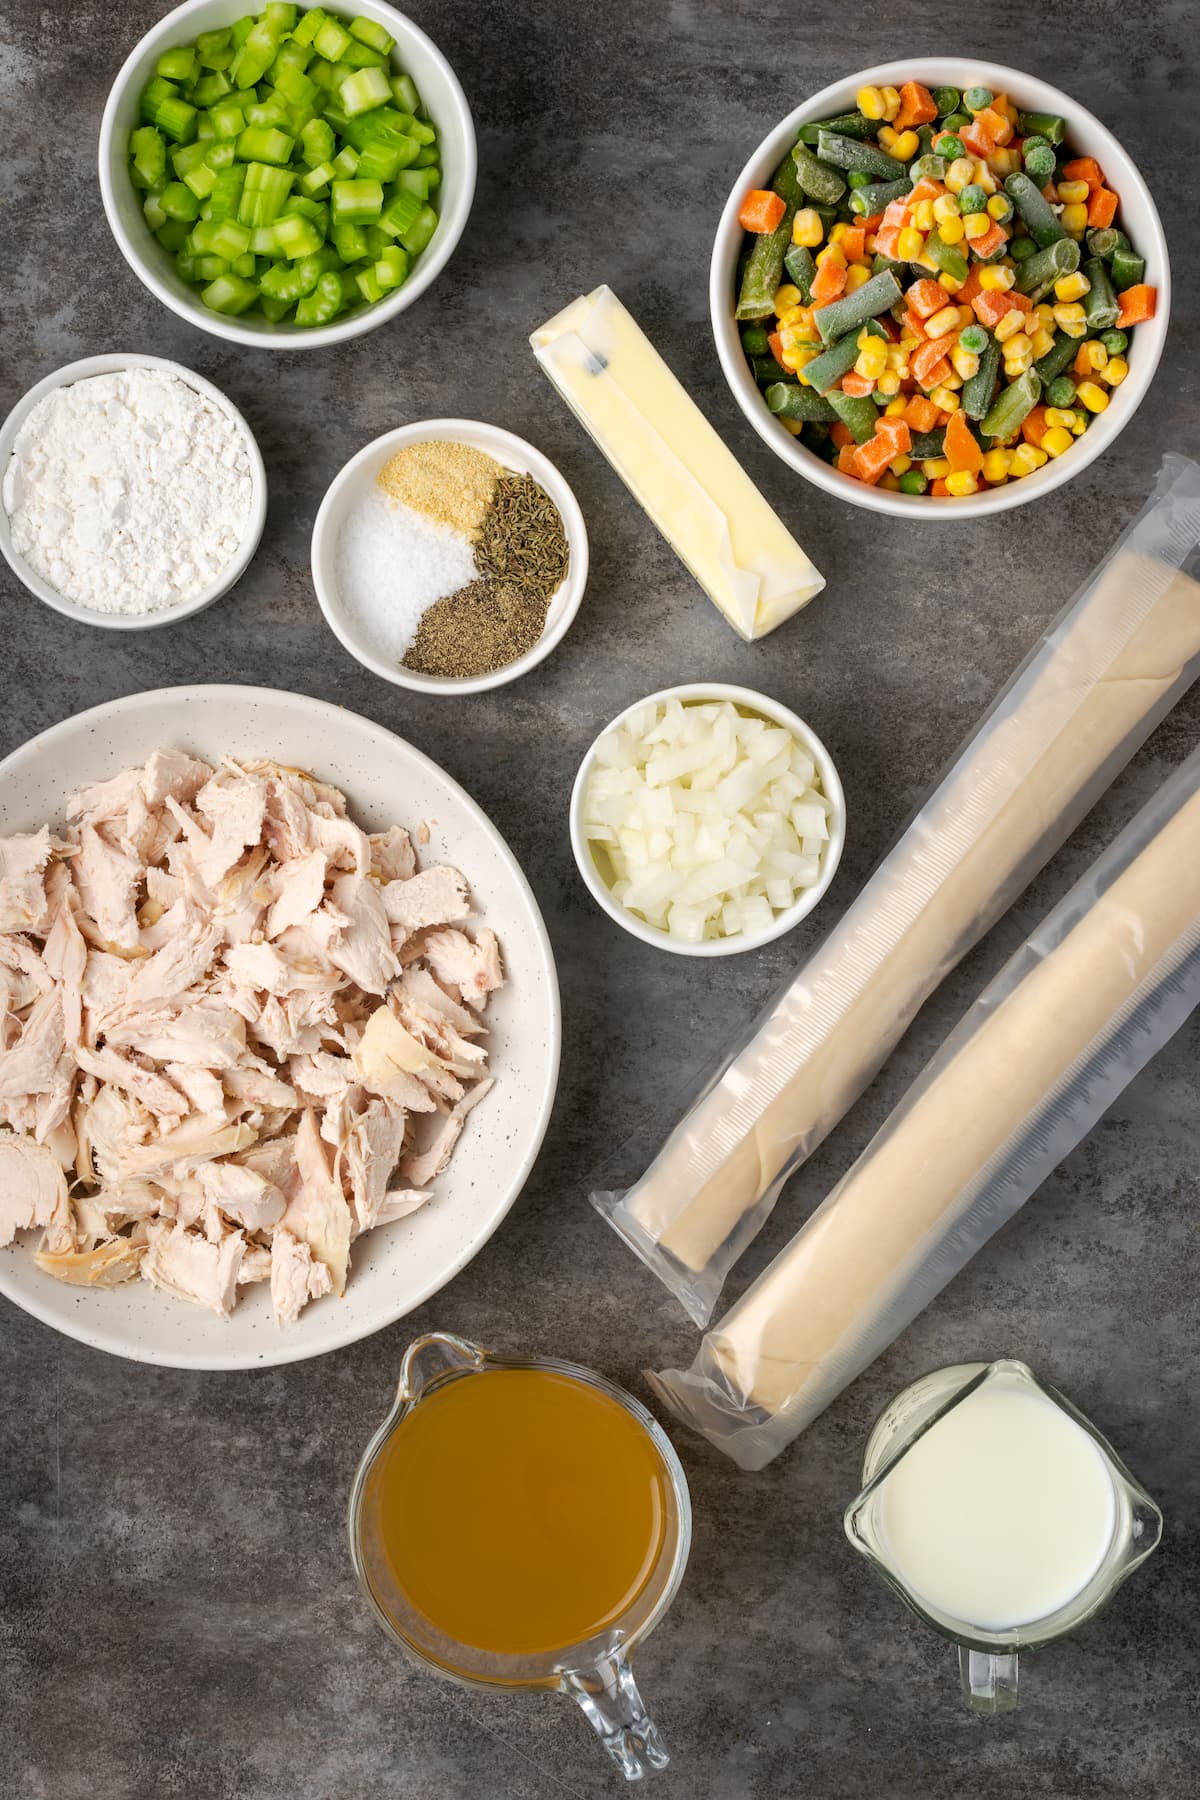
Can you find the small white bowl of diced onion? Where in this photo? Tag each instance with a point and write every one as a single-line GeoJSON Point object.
{"type": "Point", "coordinates": [707, 819]}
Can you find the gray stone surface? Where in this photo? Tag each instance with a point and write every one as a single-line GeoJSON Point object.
{"type": "Point", "coordinates": [177, 1611]}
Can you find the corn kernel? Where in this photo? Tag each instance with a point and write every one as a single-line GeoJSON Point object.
{"type": "Point", "coordinates": [792, 317]}
{"type": "Point", "coordinates": [795, 426]}
{"type": "Point", "coordinates": [807, 228]}
{"type": "Point", "coordinates": [906, 145]}
{"type": "Point", "coordinates": [976, 225]}
{"type": "Point", "coordinates": [798, 359]}
{"type": "Point", "coordinates": [897, 357]}
{"type": "Point", "coordinates": [856, 275]}
{"type": "Point", "coordinates": [871, 362]}
{"type": "Point", "coordinates": [888, 383]}
{"type": "Point", "coordinates": [909, 244]}
{"type": "Point", "coordinates": [984, 177]}
{"type": "Point", "coordinates": [1060, 415]}
{"type": "Point", "coordinates": [901, 466]}
{"type": "Point", "coordinates": [1093, 396]}
{"type": "Point", "coordinates": [1017, 343]}
{"type": "Point", "coordinates": [831, 253]}
{"type": "Point", "coordinates": [922, 215]}
{"type": "Point", "coordinates": [1079, 424]}
{"type": "Point", "coordinates": [869, 100]}
{"type": "Point", "coordinates": [1023, 460]}
{"type": "Point", "coordinates": [894, 410]}
{"type": "Point", "coordinates": [945, 398]}
{"type": "Point", "coordinates": [952, 231]}
{"type": "Point", "coordinates": [937, 468]}
{"type": "Point", "coordinates": [1072, 192]}
{"type": "Point", "coordinates": [1012, 323]}
{"type": "Point", "coordinates": [1072, 287]}
{"type": "Point", "coordinates": [1056, 440]}
{"type": "Point", "coordinates": [998, 207]}
{"type": "Point", "coordinates": [1042, 341]}
{"type": "Point", "coordinates": [945, 207]}
{"type": "Point", "coordinates": [891, 103]}
{"type": "Point", "coordinates": [942, 321]}
{"type": "Point", "coordinates": [1073, 220]}
{"type": "Point", "coordinates": [960, 174]}
{"type": "Point", "coordinates": [1045, 312]}
{"type": "Point", "coordinates": [995, 466]}
{"type": "Point", "coordinates": [908, 343]}
{"type": "Point", "coordinates": [890, 482]}
{"type": "Point", "coordinates": [1018, 364]}
{"type": "Point", "coordinates": [887, 137]}
{"type": "Point", "coordinates": [1115, 370]}
{"type": "Point", "coordinates": [1097, 356]}
{"type": "Point", "coordinates": [952, 383]}
{"type": "Point", "coordinates": [1071, 318]}
{"type": "Point", "coordinates": [785, 297]}
{"type": "Point", "coordinates": [961, 482]}
{"type": "Point", "coordinates": [996, 278]}
{"type": "Point", "coordinates": [964, 362]}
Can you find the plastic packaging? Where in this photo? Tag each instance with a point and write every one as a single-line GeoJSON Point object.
{"type": "Point", "coordinates": [1088, 696]}
{"type": "Point", "coordinates": [1110, 975]}
{"type": "Point", "coordinates": [674, 464]}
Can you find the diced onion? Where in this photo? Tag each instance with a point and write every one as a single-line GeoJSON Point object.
{"type": "Point", "coordinates": [705, 821]}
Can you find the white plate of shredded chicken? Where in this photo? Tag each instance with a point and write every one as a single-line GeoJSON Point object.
{"type": "Point", "coordinates": [280, 1027]}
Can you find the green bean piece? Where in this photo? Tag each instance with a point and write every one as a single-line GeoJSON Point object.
{"type": "Point", "coordinates": [858, 178]}
{"type": "Point", "coordinates": [1104, 241]}
{"type": "Point", "coordinates": [1061, 391]}
{"type": "Point", "coordinates": [867, 200]}
{"type": "Point", "coordinates": [1013, 406]}
{"type": "Point", "coordinates": [850, 311]}
{"type": "Point", "coordinates": [978, 389]}
{"type": "Point", "coordinates": [1050, 126]}
{"type": "Point", "coordinates": [1127, 269]}
{"type": "Point", "coordinates": [1100, 302]}
{"type": "Point", "coordinates": [765, 263]}
{"type": "Point", "coordinates": [1036, 211]}
{"type": "Point", "coordinates": [947, 257]}
{"type": "Point", "coordinates": [1059, 357]}
{"type": "Point", "coordinates": [788, 400]}
{"type": "Point", "coordinates": [767, 371]}
{"type": "Point", "coordinates": [832, 364]}
{"type": "Point", "coordinates": [974, 340]}
{"type": "Point", "coordinates": [755, 339]}
{"type": "Point", "coordinates": [947, 100]}
{"type": "Point", "coordinates": [802, 268]}
{"type": "Point", "coordinates": [818, 180]}
{"type": "Point", "coordinates": [1115, 342]}
{"type": "Point", "coordinates": [850, 153]}
{"type": "Point", "coordinates": [1037, 275]}
{"type": "Point", "coordinates": [928, 445]}
{"type": "Point", "coordinates": [880, 265]}
{"type": "Point", "coordinates": [858, 413]}
{"type": "Point", "coordinates": [851, 124]}
{"type": "Point", "coordinates": [927, 168]}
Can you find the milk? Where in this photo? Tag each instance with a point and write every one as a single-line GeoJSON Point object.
{"type": "Point", "coordinates": [1001, 1512]}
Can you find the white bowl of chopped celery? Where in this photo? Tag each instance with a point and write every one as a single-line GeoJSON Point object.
{"type": "Point", "coordinates": [707, 819]}
{"type": "Point", "coordinates": [327, 254]}
{"type": "Point", "coordinates": [1137, 217]}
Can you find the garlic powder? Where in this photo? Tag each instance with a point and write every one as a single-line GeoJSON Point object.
{"type": "Point", "coordinates": [128, 492]}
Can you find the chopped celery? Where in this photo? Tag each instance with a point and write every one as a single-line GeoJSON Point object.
{"type": "Point", "coordinates": [264, 194]}
{"type": "Point", "coordinates": [332, 40]}
{"type": "Point", "coordinates": [226, 195]}
{"type": "Point", "coordinates": [229, 294]}
{"type": "Point", "coordinates": [323, 304]}
{"type": "Point", "coordinates": [265, 144]}
{"type": "Point", "coordinates": [291, 55]}
{"type": "Point", "coordinates": [357, 202]}
{"type": "Point", "coordinates": [400, 214]}
{"type": "Point", "coordinates": [380, 161]}
{"type": "Point", "coordinates": [326, 75]}
{"type": "Point", "coordinates": [350, 242]}
{"type": "Point", "coordinates": [204, 128]}
{"type": "Point", "coordinates": [177, 65]}
{"type": "Point", "coordinates": [361, 56]}
{"type": "Point", "coordinates": [272, 111]}
{"type": "Point", "coordinates": [220, 155]}
{"type": "Point", "coordinates": [377, 241]}
{"type": "Point", "coordinates": [207, 268]}
{"type": "Point", "coordinates": [345, 163]}
{"type": "Point", "coordinates": [240, 30]}
{"type": "Point", "coordinates": [420, 231]}
{"type": "Point", "coordinates": [275, 310]}
{"type": "Point", "coordinates": [179, 202]}
{"type": "Point", "coordinates": [263, 241]}
{"type": "Point", "coordinates": [426, 158]}
{"type": "Point", "coordinates": [173, 236]}
{"type": "Point", "coordinates": [364, 90]}
{"type": "Point", "coordinates": [404, 92]}
{"type": "Point", "coordinates": [201, 180]}
{"type": "Point", "coordinates": [391, 271]}
{"type": "Point", "coordinates": [295, 86]}
{"type": "Point", "coordinates": [244, 266]}
{"type": "Point", "coordinates": [210, 89]}
{"type": "Point", "coordinates": [281, 14]}
{"type": "Point", "coordinates": [290, 281]}
{"type": "Point", "coordinates": [297, 236]}
{"type": "Point", "coordinates": [414, 181]}
{"type": "Point", "coordinates": [317, 142]}
{"type": "Point", "coordinates": [188, 156]}
{"type": "Point", "coordinates": [424, 134]}
{"type": "Point", "coordinates": [314, 183]}
{"type": "Point", "coordinates": [152, 211]}
{"type": "Point", "coordinates": [149, 152]}
{"type": "Point", "coordinates": [210, 43]}
{"type": "Point", "coordinates": [367, 31]}
{"type": "Point", "coordinates": [163, 106]}
{"type": "Point", "coordinates": [228, 121]}
{"type": "Point", "coordinates": [256, 54]}
{"type": "Point", "coordinates": [368, 285]}
{"type": "Point", "coordinates": [308, 25]}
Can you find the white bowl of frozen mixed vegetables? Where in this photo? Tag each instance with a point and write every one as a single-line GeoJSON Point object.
{"type": "Point", "coordinates": [949, 261]}
{"type": "Point", "coordinates": [287, 176]}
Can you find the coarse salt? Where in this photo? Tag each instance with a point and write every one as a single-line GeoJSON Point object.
{"type": "Point", "coordinates": [392, 564]}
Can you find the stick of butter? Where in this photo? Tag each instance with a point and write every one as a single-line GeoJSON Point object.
{"type": "Point", "coordinates": [675, 465]}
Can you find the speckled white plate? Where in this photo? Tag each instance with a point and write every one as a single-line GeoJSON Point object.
{"type": "Point", "coordinates": [385, 781]}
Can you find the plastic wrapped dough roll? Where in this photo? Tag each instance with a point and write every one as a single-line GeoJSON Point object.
{"type": "Point", "coordinates": [1081, 1008]}
{"type": "Point", "coordinates": [1124, 651]}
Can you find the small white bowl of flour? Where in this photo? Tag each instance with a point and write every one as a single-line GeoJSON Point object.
{"type": "Point", "coordinates": [132, 493]}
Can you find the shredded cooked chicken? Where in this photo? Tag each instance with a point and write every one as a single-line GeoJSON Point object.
{"type": "Point", "coordinates": [236, 1032]}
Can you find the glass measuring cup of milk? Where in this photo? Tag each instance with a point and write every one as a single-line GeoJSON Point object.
{"type": "Point", "coordinates": [596, 1487]}
{"type": "Point", "coordinates": [999, 1514]}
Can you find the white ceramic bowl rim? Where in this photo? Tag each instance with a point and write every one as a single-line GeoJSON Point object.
{"type": "Point", "coordinates": [694, 693]}
{"type": "Point", "coordinates": [1146, 345]}
{"type": "Point", "coordinates": [507, 449]}
{"type": "Point", "coordinates": [432, 260]}
{"type": "Point", "coordinates": [109, 364]}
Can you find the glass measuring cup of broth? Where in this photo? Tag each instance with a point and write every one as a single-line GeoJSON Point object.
{"type": "Point", "coordinates": [523, 1523]}
{"type": "Point", "coordinates": [999, 1514]}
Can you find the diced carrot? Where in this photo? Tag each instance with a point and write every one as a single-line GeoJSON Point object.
{"type": "Point", "coordinates": [913, 325]}
{"type": "Point", "coordinates": [934, 377]}
{"type": "Point", "coordinates": [854, 243]}
{"type": "Point", "coordinates": [1084, 168]}
{"type": "Point", "coordinates": [921, 413]}
{"type": "Point", "coordinates": [917, 106]}
{"type": "Point", "coordinates": [895, 214]}
{"type": "Point", "coordinates": [856, 385]}
{"type": "Point", "coordinates": [761, 211]}
{"type": "Point", "coordinates": [1033, 426]}
{"type": "Point", "coordinates": [775, 345]}
{"type": "Point", "coordinates": [991, 304]}
{"type": "Point", "coordinates": [1050, 193]}
{"type": "Point", "coordinates": [873, 457]}
{"type": "Point", "coordinates": [889, 327]}
{"type": "Point", "coordinates": [828, 282]}
{"type": "Point", "coordinates": [872, 223]}
{"type": "Point", "coordinates": [977, 138]}
{"type": "Point", "coordinates": [964, 295]}
{"type": "Point", "coordinates": [926, 357]}
{"type": "Point", "coordinates": [1081, 365]}
{"type": "Point", "coordinates": [1136, 304]}
{"type": "Point", "coordinates": [990, 241]}
{"type": "Point", "coordinates": [939, 490]}
{"type": "Point", "coordinates": [847, 459]}
{"type": "Point", "coordinates": [943, 417]}
{"type": "Point", "coordinates": [887, 240]}
{"type": "Point", "coordinates": [841, 434]}
{"type": "Point", "coordinates": [995, 124]}
{"type": "Point", "coordinates": [926, 189]}
{"type": "Point", "coordinates": [926, 297]}
{"type": "Point", "coordinates": [961, 448]}
{"type": "Point", "coordinates": [1102, 208]}
{"type": "Point", "coordinates": [895, 429]}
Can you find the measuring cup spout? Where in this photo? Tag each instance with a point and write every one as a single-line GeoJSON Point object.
{"type": "Point", "coordinates": [617, 1713]}
{"type": "Point", "coordinates": [989, 1682]}
{"type": "Point", "coordinates": [430, 1357]}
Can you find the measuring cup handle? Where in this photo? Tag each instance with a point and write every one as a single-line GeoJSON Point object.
{"type": "Point", "coordinates": [617, 1713]}
{"type": "Point", "coordinates": [989, 1683]}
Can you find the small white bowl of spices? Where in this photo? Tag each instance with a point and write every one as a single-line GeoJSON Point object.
{"type": "Point", "coordinates": [449, 556]}
{"type": "Point", "coordinates": [133, 492]}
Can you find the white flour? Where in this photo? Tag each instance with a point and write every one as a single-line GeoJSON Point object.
{"type": "Point", "coordinates": [128, 492]}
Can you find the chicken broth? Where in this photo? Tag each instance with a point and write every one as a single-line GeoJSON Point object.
{"type": "Point", "coordinates": [519, 1512]}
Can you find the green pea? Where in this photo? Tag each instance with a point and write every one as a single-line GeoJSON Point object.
{"type": "Point", "coordinates": [1022, 248]}
{"type": "Point", "coordinates": [1061, 392]}
{"type": "Point", "coordinates": [913, 482]}
{"type": "Point", "coordinates": [859, 178]}
{"type": "Point", "coordinates": [956, 122]}
{"type": "Point", "coordinates": [947, 100]}
{"type": "Point", "coordinates": [1115, 342]}
{"type": "Point", "coordinates": [972, 199]}
{"type": "Point", "coordinates": [950, 147]}
{"type": "Point", "coordinates": [976, 98]}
